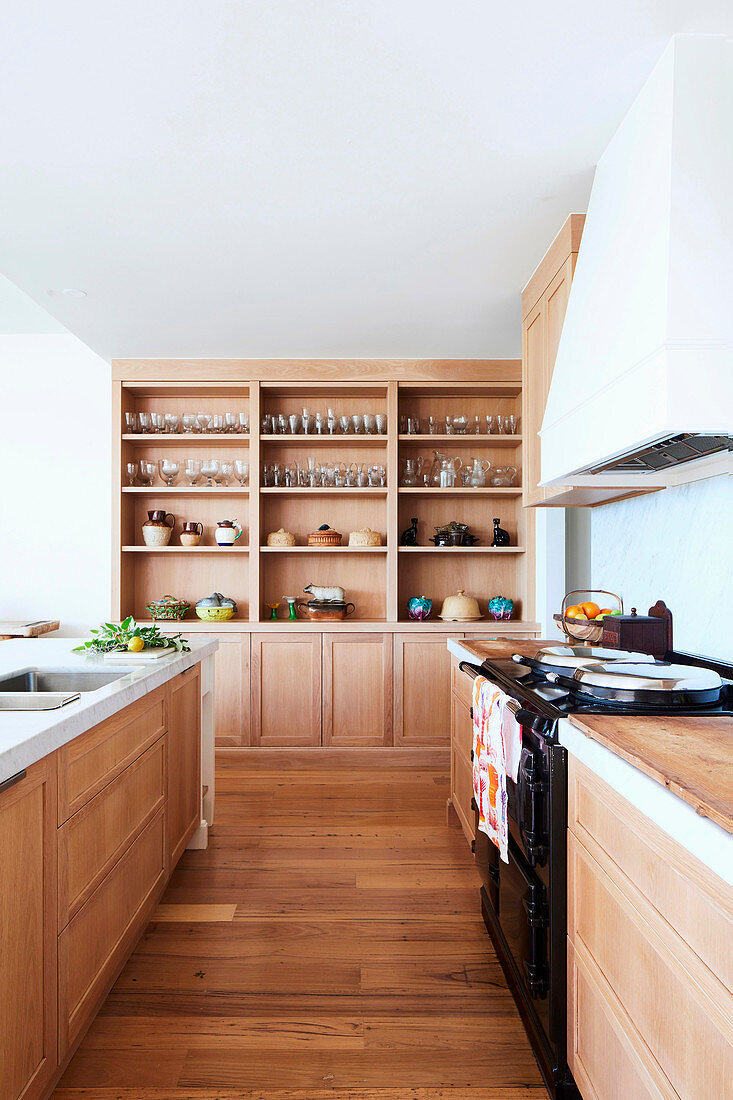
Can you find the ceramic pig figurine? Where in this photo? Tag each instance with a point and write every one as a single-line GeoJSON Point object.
{"type": "Point", "coordinates": [319, 592]}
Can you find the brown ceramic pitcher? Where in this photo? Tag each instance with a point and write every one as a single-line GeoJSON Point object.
{"type": "Point", "coordinates": [191, 533]}
{"type": "Point", "coordinates": [158, 527]}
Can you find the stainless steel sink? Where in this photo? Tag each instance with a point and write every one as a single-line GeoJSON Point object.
{"type": "Point", "coordinates": [48, 689]}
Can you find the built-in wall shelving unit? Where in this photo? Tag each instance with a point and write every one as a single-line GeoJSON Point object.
{"type": "Point", "coordinates": [378, 580]}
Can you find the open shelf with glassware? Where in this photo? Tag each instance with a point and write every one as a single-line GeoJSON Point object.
{"type": "Point", "coordinates": [299, 446]}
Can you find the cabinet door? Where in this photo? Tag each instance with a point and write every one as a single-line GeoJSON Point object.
{"type": "Point", "coordinates": [461, 768]}
{"type": "Point", "coordinates": [357, 689]}
{"type": "Point", "coordinates": [28, 932]}
{"type": "Point", "coordinates": [286, 689]}
{"type": "Point", "coordinates": [422, 680]}
{"type": "Point", "coordinates": [555, 300]}
{"type": "Point", "coordinates": [184, 761]}
{"type": "Point", "coordinates": [231, 688]}
{"type": "Point", "coordinates": [534, 341]}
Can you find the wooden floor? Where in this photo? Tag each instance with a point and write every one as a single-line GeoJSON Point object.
{"type": "Point", "coordinates": [327, 944]}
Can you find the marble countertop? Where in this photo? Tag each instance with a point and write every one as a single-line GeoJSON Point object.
{"type": "Point", "coordinates": [28, 736]}
{"type": "Point", "coordinates": [628, 775]}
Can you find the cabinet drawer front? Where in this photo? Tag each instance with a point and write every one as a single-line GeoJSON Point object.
{"type": "Point", "coordinates": [697, 904]}
{"type": "Point", "coordinates": [90, 761]}
{"type": "Point", "coordinates": [94, 838]}
{"type": "Point", "coordinates": [601, 1054]}
{"type": "Point", "coordinates": [635, 951]}
{"type": "Point", "coordinates": [462, 728]}
{"type": "Point", "coordinates": [96, 941]}
{"type": "Point", "coordinates": [461, 683]}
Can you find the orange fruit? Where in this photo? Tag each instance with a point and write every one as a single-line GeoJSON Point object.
{"type": "Point", "coordinates": [573, 611]}
{"type": "Point", "coordinates": [590, 609]}
{"type": "Point", "coordinates": [605, 611]}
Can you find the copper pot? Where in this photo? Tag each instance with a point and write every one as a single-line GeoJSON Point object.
{"type": "Point", "coordinates": [325, 611]}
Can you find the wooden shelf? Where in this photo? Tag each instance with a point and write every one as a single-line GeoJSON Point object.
{"type": "Point", "coordinates": [482, 440]}
{"type": "Point", "coordinates": [185, 549]}
{"type": "Point", "coordinates": [323, 549]}
{"type": "Point", "coordinates": [189, 490]}
{"type": "Point", "coordinates": [461, 491]}
{"type": "Point", "coordinates": [348, 626]}
{"type": "Point", "coordinates": [350, 492]}
{"type": "Point", "coordinates": [187, 439]}
{"type": "Point", "coordinates": [461, 549]}
{"type": "Point", "coordinates": [323, 440]}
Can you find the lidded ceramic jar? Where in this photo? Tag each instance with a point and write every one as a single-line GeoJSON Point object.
{"type": "Point", "coordinates": [460, 608]}
{"type": "Point", "coordinates": [158, 527]}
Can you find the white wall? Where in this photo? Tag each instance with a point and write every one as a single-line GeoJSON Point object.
{"type": "Point", "coordinates": [675, 545]}
{"type": "Point", "coordinates": [55, 462]}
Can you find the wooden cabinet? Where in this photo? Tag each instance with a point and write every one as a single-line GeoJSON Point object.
{"type": "Point", "coordinates": [461, 768]}
{"type": "Point", "coordinates": [286, 689]}
{"type": "Point", "coordinates": [184, 761]}
{"type": "Point", "coordinates": [422, 680]}
{"type": "Point", "coordinates": [651, 1009]}
{"type": "Point", "coordinates": [231, 689]}
{"type": "Point", "coordinates": [544, 301]}
{"type": "Point", "coordinates": [357, 689]}
{"type": "Point", "coordinates": [28, 884]}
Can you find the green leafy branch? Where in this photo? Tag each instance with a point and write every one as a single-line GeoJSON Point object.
{"type": "Point", "coordinates": [114, 636]}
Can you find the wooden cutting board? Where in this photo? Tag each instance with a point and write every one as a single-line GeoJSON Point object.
{"type": "Point", "coordinates": [20, 628]}
{"type": "Point", "coordinates": [143, 655]}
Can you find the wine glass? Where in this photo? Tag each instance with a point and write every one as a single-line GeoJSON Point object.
{"type": "Point", "coordinates": [189, 423]}
{"type": "Point", "coordinates": [131, 468]}
{"type": "Point", "coordinates": [192, 471]}
{"type": "Point", "coordinates": [218, 423]}
{"type": "Point", "coordinates": [144, 423]}
{"type": "Point", "coordinates": [243, 420]}
{"type": "Point", "coordinates": [131, 424]}
{"type": "Point", "coordinates": [210, 470]}
{"type": "Point", "coordinates": [226, 473]}
{"type": "Point", "coordinates": [169, 471]}
{"type": "Point", "coordinates": [146, 472]}
{"type": "Point", "coordinates": [172, 423]}
{"type": "Point", "coordinates": [231, 422]}
{"type": "Point", "coordinates": [203, 421]}
{"type": "Point", "coordinates": [157, 423]}
{"type": "Point", "coordinates": [241, 471]}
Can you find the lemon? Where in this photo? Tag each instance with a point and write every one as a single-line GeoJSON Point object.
{"type": "Point", "coordinates": [135, 645]}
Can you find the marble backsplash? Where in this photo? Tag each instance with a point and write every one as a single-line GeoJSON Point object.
{"type": "Point", "coordinates": [675, 545]}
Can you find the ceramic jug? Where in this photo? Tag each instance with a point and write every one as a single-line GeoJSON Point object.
{"type": "Point", "coordinates": [227, 532]}
{"type": "Point", "coordinates": [479, 469]}
{"type": "Point", "coordinates": [158, 527]}
{"type": "Point", "coordinates": [191, 533]}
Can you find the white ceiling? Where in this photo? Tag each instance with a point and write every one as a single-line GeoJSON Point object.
{"type": "Point", "coordinates": [296, 178]}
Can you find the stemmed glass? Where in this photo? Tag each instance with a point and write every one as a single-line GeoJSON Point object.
{"type": "Point", "coordinates": [172, 423]}
{"type": "Point", "coordinates": [203, 422]}
{"type": "Point", "coordinates": [211, 471]}
{"type": "Point", "coordinates": [131, 423]}
{"type": "Point", "coordinates": [226, 473]}
{"type": "Point", "coordinates": [241, 471]}
{"type": "Point", "coordinates": [231, 422]}
{"type": "Point", "coordinates": [189, 423]}
{"type": "Point", "coordinates": [243, 421]}
{"type": "Point", "coordinates": [192, 471]}
{"type": "Point", "coordinates": [131, 472]}
{"type": "Point", "coordinates": [146, 472]}
{"type": "Point", "coordinates": [169, 471]}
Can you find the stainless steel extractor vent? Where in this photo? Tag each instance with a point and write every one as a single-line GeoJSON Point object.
{"type": "Point", "coordinates": [667, 452]}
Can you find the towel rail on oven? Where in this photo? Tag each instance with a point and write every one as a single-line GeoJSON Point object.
{"type": "Point", "coordinates": [523, 716]}
{"type": "Point", "coordinates": [474, 672]}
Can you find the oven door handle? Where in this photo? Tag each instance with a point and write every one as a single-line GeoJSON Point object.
{"type": "Point", "coordinates": [471, 670]}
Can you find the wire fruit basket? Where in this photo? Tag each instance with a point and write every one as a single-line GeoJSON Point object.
{"type": "Point", "coordinates": [585, 630]}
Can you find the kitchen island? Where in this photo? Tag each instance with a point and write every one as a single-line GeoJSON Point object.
{"type": "Point", "coordinates": [98, 800]}
{"type": "Point", "coordinates": [649, 867]}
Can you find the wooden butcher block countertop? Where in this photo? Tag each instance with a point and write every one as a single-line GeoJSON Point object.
{"type": "Point", "coordinates": [693, 757]}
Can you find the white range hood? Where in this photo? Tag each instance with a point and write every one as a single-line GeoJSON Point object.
{"type": "Point", "coordinates": [646, 352]}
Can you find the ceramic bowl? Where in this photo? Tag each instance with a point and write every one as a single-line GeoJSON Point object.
{"type": "Point", "coordinates": [215, 614]}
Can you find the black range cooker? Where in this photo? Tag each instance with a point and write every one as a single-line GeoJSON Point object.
{"type": "Point", "coordinates": [524, 901]}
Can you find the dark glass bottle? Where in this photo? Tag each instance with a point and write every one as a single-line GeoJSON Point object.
{"type": "Point", "coordinates": [501, 537]}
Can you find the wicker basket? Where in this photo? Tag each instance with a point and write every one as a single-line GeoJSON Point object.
{"type": "Point", "coordinates": [365, 537]}
{"type": "Point", "coordinates": [584, 630]}
{"type": "Point", "coordinates": [168, 607]}
{"type": "Point", "coordinates": [326, 537]}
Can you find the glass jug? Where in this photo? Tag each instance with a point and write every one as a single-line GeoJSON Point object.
{"type": "Point", "coordinates": [503, 477]}
{"type": "Point", "coordinates": [444, 470]}
{"type": "Point", "coordinates": [479, 469]}
{"type": "Point", "coordinates": [412, 475]}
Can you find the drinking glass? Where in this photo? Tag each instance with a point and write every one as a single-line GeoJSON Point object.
{"type": "Point", "coordinates": [226, 473]}
{"type": "Point", "coordinates": [266, 424]}
{"type": "Point", "coordinates": [460, 424]}
{"type": "Point", "coordinates": [320, 424]}
{"type": "Point", "coordinates": [218, 424]}
{"type": "Point", "coordinates": [490, 425]}
{"type": "Point", "coordinates": [448, 427]}
{"type": "Point", "coordinates": [278, 475]}
{"type": "Point", "coordinates": [189, 423]}
{"type": "Point", "coordinates": [291, 476]}
{"type": "Point", "coordinates": [374, 476]}
{"type": "Point", "coordinates": [510, 425]}
{"type": "Point", "coordinates": [210, 470]}
{"type": "Point", "coordinates": [345, 424]}
{"type": "Point", "coordinates": [146, 472]}
{"type": "Point", "coordinates": [358, 422]}
{"type": "Point", "coordinates": [331, 422]}
{"type": "Point", "coordinates": [243, 419]}
{"type": "Point", "coordinates": [203, 421]}
{"type": "Point", "coordinates": [381, 420]}
{"type": "Point", "coordinates": [282, 424]}
{"type": "Point", "coordinates": [362, 476]}
{"type": "Point", "coordinates": [172, 423]}
{"type": "Point", "coordinates": [131, 468]}
{"type": "Point", "coordinates": [231, 422]}
{"type": "Point", "coordinates": [192, 471]}
{"type": "Point", "coordinates": [433, 426]}
{"type": "Point", "coordinates": [294, 423]}
{"type": "Point", "coordinates": [131, 423]}
{"type": "Point", "coordinates": [144, 424]}
{"type": "Point", "coordinates": [370, 423]}
{"type": "Point", "coordinates": [329, 475]}
{"type": "Point", "coordinates": [169, 470]}
{"type": "Point", "coordinates": [307, 421]}
{"type": "Point", "coordinates": [241, 471]}
{"type": "Point", "coordinates": [157, 422]}
{"type": "Point", "coordinates": [475, 428]}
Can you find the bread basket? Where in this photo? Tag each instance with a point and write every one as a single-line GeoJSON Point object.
{"type": "Point", "coordinates": [585, 630]}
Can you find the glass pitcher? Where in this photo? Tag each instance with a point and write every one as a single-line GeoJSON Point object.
{"type": "Point", "coordinates": [503, 477]}
{"type": "Point", "coordinates": [412, 474]}
{"type": "Point", "coordinates": [479, 469]}
{"type": "Point", "coordinates": [444, 470]}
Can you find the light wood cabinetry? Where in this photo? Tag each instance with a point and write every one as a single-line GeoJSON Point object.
{"type": "Point", "coordinates": [183, 809]}
{"type": "Point", "coordinates": [422, 681]}
{"type": "Point", "coordinates": [651, 1006]}
{"type": "Point", "coordinates": [28, 946]}
{"type": "Point", "coordinates": [544, 301]}
{"type": "Point", "coordinates": [461, 746]}
{"type": "Point", "coordinates": [231, 689]}
{"type": "Point", "coordinates": [286, 689]}
{"type": "Point", "coordinates": [357, 689]}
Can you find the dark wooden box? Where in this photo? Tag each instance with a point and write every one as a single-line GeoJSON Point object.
{"type": "Point", "coordinates": [650, 633]}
